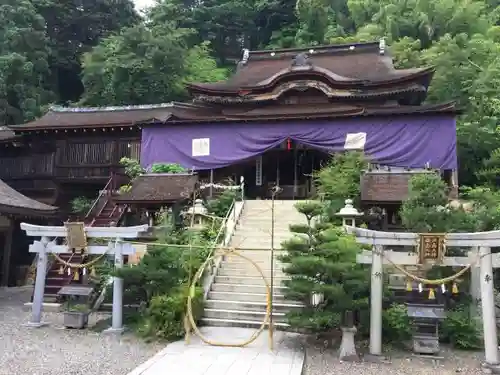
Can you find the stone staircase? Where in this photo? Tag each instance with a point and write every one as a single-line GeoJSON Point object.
{"type": "Point", "coordinates": [237, 297]}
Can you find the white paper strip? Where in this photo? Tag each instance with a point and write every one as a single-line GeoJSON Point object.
{"type": "Point", "coordinates": [201, 147]}
{"type": "Point", "coordinates": [355, 141]}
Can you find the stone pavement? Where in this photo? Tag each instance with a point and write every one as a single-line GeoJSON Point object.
{"type": "Point", "coordinates": [199, 358]}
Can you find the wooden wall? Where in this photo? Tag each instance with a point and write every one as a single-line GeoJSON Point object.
{"type": "Point", "coordinates": [70, 159]}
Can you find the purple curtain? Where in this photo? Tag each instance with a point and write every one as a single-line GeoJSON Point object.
{"type": "Point", "coordinates": [398, 141]}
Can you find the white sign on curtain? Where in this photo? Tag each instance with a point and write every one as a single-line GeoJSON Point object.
{"type": "Point", "coordinates": [355, 141]}
{"type": "Point", "coordinates": [201, 147]}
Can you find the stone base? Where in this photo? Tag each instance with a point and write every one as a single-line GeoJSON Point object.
{"type": "Point", "coordinates": [348, 347]}
{"type": "Point", "coordinates": [35, 324]}
{"type": "Point", "coordinates": [373, 358]}
{"type": "Point", "coordinates": [114, 331]}
{"type": "Point", "coordinates": [490, 368]}
{"type": "Point", "coordinates": [47, 307]}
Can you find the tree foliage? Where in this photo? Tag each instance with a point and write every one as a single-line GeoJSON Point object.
{"type": "Point", "coordinates": [144, 65]}
{"type": "Point", "coordinates": [24, 66]}
{"type": "Point", "coordinates": [323, 260]}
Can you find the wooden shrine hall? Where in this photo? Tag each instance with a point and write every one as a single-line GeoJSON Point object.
{"type": "Point", "coordinates": [274, 121]}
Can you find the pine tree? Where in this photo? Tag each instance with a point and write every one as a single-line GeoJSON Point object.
{"type": "Point", "coordinates": [321, 258]}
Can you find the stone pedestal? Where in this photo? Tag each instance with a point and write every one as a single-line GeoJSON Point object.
{"type": "Point", "coordinates": [348, 347]}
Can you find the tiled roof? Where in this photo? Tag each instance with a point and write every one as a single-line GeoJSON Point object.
{"type": "Point", "coordinates": [13, 202]}
{"type": "Point", "coordinates": [60, 117]}
{"type": "Point", "coordinates": [160, 188]}
{"type": "Point", "coordinates": [359, 63]}
{"type": "Point", "coordinates": [6, 133]}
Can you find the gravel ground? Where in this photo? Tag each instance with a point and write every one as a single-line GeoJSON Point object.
{"type": "Point", "coordinates": [54, 350]}
{"type": "Point", "coordinates": [325, 362]}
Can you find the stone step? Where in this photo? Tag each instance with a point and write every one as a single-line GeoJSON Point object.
{"type": "Point", "coordinates": [264, 264]}
{"type": "Point", "coordinates": [236, 261]}
{"type": "Point", "coordinates": [239, 323]}
{"type": "Point", "coordinates": [242, 315]}
{"type": "Point", "coordinates": [244, 297]}
{"type": "Point", "coordinates": [282, 307]}
{"type": "Point", "coordinates": [250, 268]}
{"type": "Point", "coordinates": [223, 271]}
{"type": "Point", "coordinates": [265, 227]}
{"type": "Point", "coordinates": [261, 246]}
{"type": "Point", "coordinates": [247, 280]}
{"type": "Point", "coordinates": [244, 288]}
{"type": "Point", "coordinates": [257, 253]}
{"type": "Point", "coordinates": [258, 245]}
{"type": "Point", "coordinates": [259, 237]}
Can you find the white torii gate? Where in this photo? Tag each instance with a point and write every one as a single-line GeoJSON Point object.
{"type": "Point", "coordinates": [115, 247]}
{"type": "Point", "coordinates": [481, 243]}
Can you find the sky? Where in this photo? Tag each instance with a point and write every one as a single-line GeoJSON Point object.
{"type": "Point", "coordinates": [141, 4]}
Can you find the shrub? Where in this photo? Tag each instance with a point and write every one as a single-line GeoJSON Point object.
{"type": "Point", "coordinates": [81, 205]}
{"type": "Point", "coordinates": [132, 167]}
{"type": "Point", "coordinates": [221, 205]}
{"type": "Point", "coordinates": [460, 330]}
{"type": "Point", "coordinates": [164, 317]}
{"type": "Point", "coordinates": [396, 326]}
{"type": "Point", "coordinates": [167, 168]}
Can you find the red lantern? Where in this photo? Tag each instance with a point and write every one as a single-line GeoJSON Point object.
{"type": "Point", "coordinates": [288, 144]}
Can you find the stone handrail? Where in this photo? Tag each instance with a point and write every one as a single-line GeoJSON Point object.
{"type": "Point", "coordinates": [229, 228]}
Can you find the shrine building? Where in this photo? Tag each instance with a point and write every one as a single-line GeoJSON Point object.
{"type": "Point", "coordinates": [282, 112]}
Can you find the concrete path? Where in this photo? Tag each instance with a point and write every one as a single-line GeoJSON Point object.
{"type": "Point", "coordinates": [198, 358]}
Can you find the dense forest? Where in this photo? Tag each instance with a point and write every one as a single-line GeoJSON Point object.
{"type": "Point", "coordinates": [102, 52]}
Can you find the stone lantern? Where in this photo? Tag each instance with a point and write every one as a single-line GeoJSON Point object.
{"type": "Point", "coordinates": [199, 212]}
{"type": "Point", "coordinates": [347, 347]}
{"type": "Point", "coordinates": [349, 214]}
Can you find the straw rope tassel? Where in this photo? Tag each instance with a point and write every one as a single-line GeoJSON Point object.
{"type": "Point", "coordinates": [409, 286]}
{"type": "Point", "coordinates": [454, 288]}
{"type": "Point", "coordinates": [93, 273]}
{"type": "Point", "coordinates": [77, 276]}
{"type": "Point", "coordinates": [431, 294]}
{"type": "Point", "coordinates": [61, 269]}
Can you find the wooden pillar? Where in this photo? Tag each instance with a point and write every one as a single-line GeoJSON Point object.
{"type": "Point", "coordinates": [211, 184]}
{"type": "Point", "coordinates": [7, 252]}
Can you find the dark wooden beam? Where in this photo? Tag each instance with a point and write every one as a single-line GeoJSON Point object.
{"type": "Point", "coordinates": [7, 252]}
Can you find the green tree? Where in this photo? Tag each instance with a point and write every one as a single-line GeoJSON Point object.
{"type": "Point", "coordinates": [145, 65]}
{"type": "Point", "coordinates": [340, 180]}
{"type": "Point", "coordinates": [426, 209]}
{"type": "Point", "coordinates": [24, 66]}
{"type": "Point", "coordinates": [322, 259]}
{"type": "Point", "coordinates": [73, 27]}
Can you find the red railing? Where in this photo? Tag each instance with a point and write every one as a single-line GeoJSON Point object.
{"type": "Point", "coordinates": [113, 184]}
{"type": "Point", "coordinates": [109, 185]}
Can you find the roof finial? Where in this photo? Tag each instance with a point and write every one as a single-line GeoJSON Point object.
{"type": "Point", "coordinates": [246, 55]}
{"type": "Point", "coordinates": [381, 46]}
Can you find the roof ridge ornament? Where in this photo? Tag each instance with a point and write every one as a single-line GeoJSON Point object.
{"type": "Point", "coordinates": [301, 60]}
{"type": "Point", "coordinates": [246, 55]}
{"type": "Point", "coordinates": [381, 46]}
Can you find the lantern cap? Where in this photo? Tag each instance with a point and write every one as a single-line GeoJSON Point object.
{"type": "Point", "coordinates": [197, 209]}
{"type": "Point", "coordinates": [348, 210]}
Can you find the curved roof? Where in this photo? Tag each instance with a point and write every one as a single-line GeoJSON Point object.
{"type": "Point", "coordinates": [13, 202]}
{"type": "Point", "coordinates": [357, 64]}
